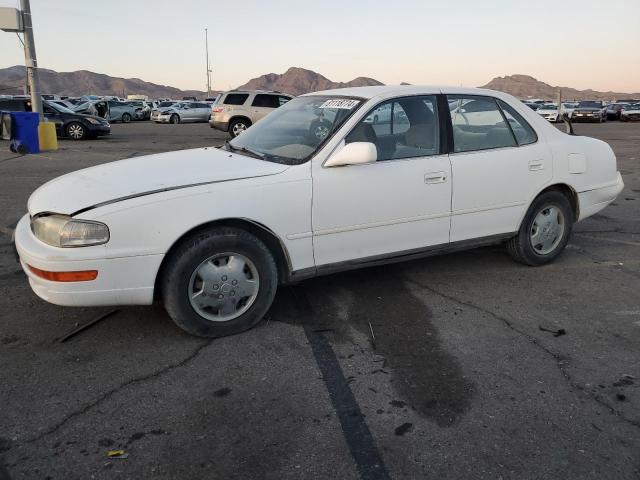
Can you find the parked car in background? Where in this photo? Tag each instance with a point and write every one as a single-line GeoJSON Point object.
{"type": "Point", "coordinates": [184, 112]}
{"type": "Point", "coordinates": [121, 111]}
{"type": "Point", "coordinates": [73, 125]}
{"type": "Point", "coordinates": [590, 111]}
{"type": "Point", "coordinates": [213, 232]}
{"type": "Point", "coordinates": [614, 110]}
{"type": "Point", "coordinates": [237, 110]}
{"type": "Point", "coordinates": [142, 109]}
{"type": "Point", "coordinates": [160, 107]}
{"type": "Point", "coordinates": [550, 112]}
{"type": "Point", "coordinates": [69, 124]}
{"type": "Point", "coordinates": [630, 113]}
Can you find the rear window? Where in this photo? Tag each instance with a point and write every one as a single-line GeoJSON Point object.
{"type": "Point", "coordinates": [236, 98]}
{"type": "Point", "coordinates": [264, 100]}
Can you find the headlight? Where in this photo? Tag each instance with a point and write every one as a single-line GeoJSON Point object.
{"type": "Point", "coordinates": [63, 231]}
{"type": "Point", "coordinates": [92, 120]}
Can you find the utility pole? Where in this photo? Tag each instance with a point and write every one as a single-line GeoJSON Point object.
{"type": "Point", "coordinates": [206, 45]}
{"type": "Point", "coordinates": [31, 62]}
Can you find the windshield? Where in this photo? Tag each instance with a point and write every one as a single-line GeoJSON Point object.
{"type": "Point", "coordinates": [589, 105]}
{"type": "Point", "coordinates": [59, 108]}
{"type": "Point", "coordinates": [548, 107]}
{"type": "Point", "coordinates": [294, 132]}
{"type": "Point", "coordinates": [165, 104]}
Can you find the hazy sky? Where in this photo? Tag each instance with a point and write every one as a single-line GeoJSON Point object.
{"type": "Point", "coordinates": [576, 43]}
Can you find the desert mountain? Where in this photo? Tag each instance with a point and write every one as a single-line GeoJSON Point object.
{"type": "Point", "coordinates": [297, 81]}
{"type": "Point", "coordinates": [524, 86]}
{"type": "Point", "coordinates": [83, 82]}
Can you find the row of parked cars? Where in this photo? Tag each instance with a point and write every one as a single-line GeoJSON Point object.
{"type": "Point", "coordinates": [588, 110]}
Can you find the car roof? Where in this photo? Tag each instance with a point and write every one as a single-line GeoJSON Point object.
{"type": "Point", "coordinates": [396, 90]}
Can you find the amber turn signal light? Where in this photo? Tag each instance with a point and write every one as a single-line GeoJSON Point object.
{"type": "Point", "coordinates": [81, 276]}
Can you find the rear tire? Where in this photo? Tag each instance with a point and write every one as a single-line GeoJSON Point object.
{"type": "Point", "coordinates": [126, 118]}
{"type": "Point", "coordinates": [219, 282]}
{"type": "Point", "coordinates": [238, 126]}
{"type": "Point", "coordinates": [545, 230]}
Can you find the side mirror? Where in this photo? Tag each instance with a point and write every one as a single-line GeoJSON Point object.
{"type": "Point", "coordinates": [355, 153]}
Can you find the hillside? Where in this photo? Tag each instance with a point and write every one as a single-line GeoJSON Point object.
{"type": "Point", "coordinates": [83, 82]}
{"type": "Point", "coordinates": [524, 86]}
{"type": "Point", "coordinates": [297, 81]}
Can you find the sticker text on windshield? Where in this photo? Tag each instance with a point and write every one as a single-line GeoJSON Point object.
{"type": "Point", "coordinates": [340, 103]}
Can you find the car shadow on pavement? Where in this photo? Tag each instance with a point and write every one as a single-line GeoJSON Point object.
{"type": "Point", "coordinates": [377, 303]}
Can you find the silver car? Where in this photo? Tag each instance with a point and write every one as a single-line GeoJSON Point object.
{"type": "Point", "coordinates": [183, 112]}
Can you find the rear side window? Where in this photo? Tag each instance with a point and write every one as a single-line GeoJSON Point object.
{"type": "Point", "coordinates": [525, 135]}
{"type": "Point", "coordinates": [236, 98]}
{"type": "Point", "coordinates": [478, 124]}
{"type": "Point", "coordinates": [268, 101]}
{"type": "Point", "coordinates": [283, 100]}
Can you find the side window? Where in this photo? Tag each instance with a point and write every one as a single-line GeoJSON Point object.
{"type": "Point", "coordinates": [521, 129]}
{"type": "Point", "coordinates": [478, 124]}
{"type": "Point", "coordinates": [283, 100]}
{"type": "Point", "coordinates": [48, 110]}
{"type": "Point", "coordinates": [265, 100]}
{"type": "Point", "coordinates": [236, 98]}
{"type": "Point", "coordinates": [401, 128]}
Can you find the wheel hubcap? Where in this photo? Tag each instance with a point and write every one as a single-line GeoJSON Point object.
{"type": "Point", "coordinates": [75, 131]}
{"type": "Point", "coordinates": [547, 230]}
{"type": "Point", "coordinates": [238, 128]}
{"type": "Point", "coordinates": [223, 287]}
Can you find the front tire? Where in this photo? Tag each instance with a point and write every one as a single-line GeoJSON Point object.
{"type": "Point", "coordinates": [545, 230]}
{"type": "Point", "coordinates": [219, 282]}
{"type": "Point", "coordinates": [76, 131]}
{"type": "Point", "coordinates": [174, 119]}
{"type": "Point", "coordinates": [126, 118]}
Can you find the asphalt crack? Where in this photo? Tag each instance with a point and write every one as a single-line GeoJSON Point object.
{"type": "Point", "coordinates": [107, 395]}
{"type": "Point", "coordinates": [559, 360]}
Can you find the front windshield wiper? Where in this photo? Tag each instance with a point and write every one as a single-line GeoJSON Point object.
{"type": "Point", "coordinates": [245, 150]}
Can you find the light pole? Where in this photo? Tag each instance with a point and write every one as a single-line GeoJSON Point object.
{"type": "Point", "coordinates": [12, 20]}
{"type": "Point", "coordinates": [206, 46]}
{"type": "Point", "coordinates": [31, 62]}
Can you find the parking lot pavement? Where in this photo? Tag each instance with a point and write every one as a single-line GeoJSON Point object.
{"type": "Point", "coordinates": [441, 368]}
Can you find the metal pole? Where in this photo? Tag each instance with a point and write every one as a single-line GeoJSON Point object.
{"type": "Point", "coordinates": [31, 62]}
{"type": "Point", "coordinates": [206, 41]}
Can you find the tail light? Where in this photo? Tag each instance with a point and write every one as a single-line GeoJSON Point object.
{"type": "Point", "coordinates": [217, 109]}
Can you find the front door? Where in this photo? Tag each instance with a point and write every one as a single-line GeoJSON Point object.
{"type": "Point", "coordinates": [497, 164]}
{"type": "Point", "coordinates": [398, 204]}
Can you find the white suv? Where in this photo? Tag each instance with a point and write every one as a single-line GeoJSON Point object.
{"type": "Point", "coordinates": [237, 110]}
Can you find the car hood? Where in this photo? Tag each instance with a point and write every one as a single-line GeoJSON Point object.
{"type": "Point", "coordinates": [151, 174]}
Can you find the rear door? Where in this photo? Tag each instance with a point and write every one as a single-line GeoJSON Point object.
{"type": "Point", "coordinates": [498, 164]}
{"type": "Point", "coordinates": [263, 104]}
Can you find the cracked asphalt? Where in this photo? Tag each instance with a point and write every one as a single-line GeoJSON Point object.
{"type": "Point", "coordinates": [446, 367]}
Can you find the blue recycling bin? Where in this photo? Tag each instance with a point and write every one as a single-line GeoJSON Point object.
{"type": "Point", "coordinates": [24, 132]}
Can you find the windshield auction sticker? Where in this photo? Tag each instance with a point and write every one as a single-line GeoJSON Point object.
{"type": "Point", "coordinates": [340, 103]}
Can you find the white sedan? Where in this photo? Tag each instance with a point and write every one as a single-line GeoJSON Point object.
{"type": "Point", "coordinates": [212, 232]}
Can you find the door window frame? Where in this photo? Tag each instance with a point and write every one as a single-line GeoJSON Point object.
{"type": "Point", "coordinates": [449, 121]}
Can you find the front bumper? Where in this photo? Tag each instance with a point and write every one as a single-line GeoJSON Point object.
{"type": "Point", "coordinates": [162, 119]}
{"type": "Point", "coordinates": [592, 201]}
{"type": "Point", "coordinates": [586, 117]}
{"type": "Point", "coordinates": [224, 126]}
{"type": "Point", "coordinates": [120, 281]}
{"type": "Point", "coordinates": [634, 117]}
{"type": "Point", "coordinates": [98, 130]}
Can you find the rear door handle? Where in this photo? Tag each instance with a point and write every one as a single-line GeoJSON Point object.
{"type": "Point", "coordinates": [435, 177]}
{"type": "Point", "coordinates": [535, 165]}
